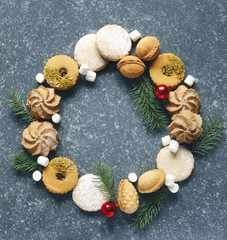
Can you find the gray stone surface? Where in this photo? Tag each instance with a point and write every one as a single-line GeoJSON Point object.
{"type": "Point", "coordinates": [100, 122]}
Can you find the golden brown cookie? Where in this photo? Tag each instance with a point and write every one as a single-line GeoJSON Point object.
{"type": "Point", "coordinates": [183, 99]}
{"type": "Point", "coordinates": [167, 69]}
{"type": "Point", "coordinates": [148, 48]}
{"type": "Point", "coordinates": [131, 66]}
{"type": "Point", "coordinates": [39, 138]}
{"type": "Point", "coordinates": [61, 72]}
{"type": "Point", "coordinates": [60, 176]}
{"type": "Point", "coordinates": [151, 181]}
{"type": "Point", "coordinates": [43, 102]}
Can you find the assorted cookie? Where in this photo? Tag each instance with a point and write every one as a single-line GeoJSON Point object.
{"type": "Point", "coordinates": [39, 138]}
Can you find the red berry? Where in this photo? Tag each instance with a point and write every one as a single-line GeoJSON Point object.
{"type": "Point", "coordinates": [161, 91]}
{"type": "Point", "coordinates": [108, 209]}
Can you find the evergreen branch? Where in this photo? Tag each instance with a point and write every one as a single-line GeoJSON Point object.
{"type": "Point", "coordinates": [148, 105]}
{"type": "Point", "coordinates": [213, 131]}
{"type": "Point", "coordinates": [17, 105]}
{"type": "Point", "coordinates": [24, 163]}
{"type": "Point", "coordinates": [149, 209]}
{"type": "Point", "coordinates": [108, 187]}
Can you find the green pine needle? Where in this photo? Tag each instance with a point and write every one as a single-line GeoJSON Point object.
{"type": "Point", "coordinates": [24, 163]}
{"type": "Point", "coordinates": [17, 105]}
{"type": "Point", "coordinates": [108, 187]}
{"type": "Point", "coordinates": [148, 105]}
{"type": "Point", "coordinates": [213, 131]}
{"type": "Point", "coordinates": [149, 209]}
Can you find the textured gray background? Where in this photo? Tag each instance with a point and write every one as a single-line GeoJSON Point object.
{"type": "Point", "coordinates": [100, 122]}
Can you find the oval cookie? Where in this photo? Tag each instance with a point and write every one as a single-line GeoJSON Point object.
{"type": "Point", "coordinates": [86, 52]}
{"type": "Point", "coordinates": [179, 164]}
{"type": "Point", "coordinates": [113, 42]}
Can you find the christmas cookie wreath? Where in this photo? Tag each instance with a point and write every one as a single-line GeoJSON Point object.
{"type": "Point", "coordinates": [189, 132]}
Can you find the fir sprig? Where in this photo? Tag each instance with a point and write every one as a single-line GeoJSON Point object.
{"type": "Point", "coordinates": [149, 209]}
{"type": "Point", "coordinates": [148, 105]}
{"type": "Point", "coordinates": [24, 163]}
{"type": "Point", "coordinates": [213, 131]}
{"type": "Point", "coordinates": [17, 105]}
{"type": "Point", "coordinates": [107, 186]}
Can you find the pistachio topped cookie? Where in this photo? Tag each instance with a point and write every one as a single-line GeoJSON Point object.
{"type": "Point", "coordinates": [61, 72]}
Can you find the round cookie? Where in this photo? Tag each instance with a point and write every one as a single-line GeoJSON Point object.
{"type": "Point", "coordinates": [86, 52]}
{"type": "Point", "coordinates": [60, 176]}
{"type": "Point", "coordinates": [113, 42]}
{"type": "Point", "coordinates": [86, 195]}
{"type": "Point", "coordinates": [61, 72]}
{"type": "Point", "coordinates": [167, 69]}
{"type": "Point", "coordinates": [179, 164]}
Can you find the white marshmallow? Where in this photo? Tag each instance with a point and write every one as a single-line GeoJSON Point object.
{"type": "Point", "coordinates": [169, 180]}
{"type": "Point", "coordinates": [173, 146]}
{"type": "Point", "coordinates": [83, 69]}
{"type": "Point", "coordinates": [90, 76]}
{"type": "Point", "coordinates": [40, 78]}
{"type": "Point", "coordinates": [56, 118]}
{"type": "Point", "coordinates": [166, 140]}
{"type": "Point", "coordinates": [132, 177]}
{"type": "Point", "coordinates": [43, 161]}
{"type": "Point", "coordinates": [135, 35]}
{"type": "Point", "coordinates": [189, 80]}
{"type": "Point", "coordinates": [37, 176]}
{"type": "Point", "coordinates": [174, 188]}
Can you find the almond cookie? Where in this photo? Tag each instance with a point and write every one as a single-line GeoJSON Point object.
{"type": "Point", "coordinates": [128, 199]}
{"type": "Point", "coordinates": [179, 164]}
{"type": "Point", "coordinates": [86, 194]}
{"type": "Point", "coordinates": [61, 72]}
{"type": "Point", "coordinates": [186, 126]}
{"type": "Point", "coordinates": [39, 138]}
{"type": "Point", "coordinates": [60, 176]}
{"type": "Point", "coordinates": [113, 42]}
{"type": "Point", "coordinates": [43, 102]}
{"type": "Point", "coordinates": [167, 69]}
{"type": "Point", "coordinates": [183, 99]}
{"type": "Point", "coordinates": [151, 181]}
{"type": "Point", "coordinates": [148, 48]}
{"type": "Point", "coordinates": [131, 66]}
{"type": "Point", "coordinates": [86, 52]}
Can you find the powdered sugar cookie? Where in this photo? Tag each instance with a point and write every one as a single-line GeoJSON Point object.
{"type": "Point", "coordinates": [86, 195]}
{"type": "Point", "coordinates": [113, 42]}
{"type": "Point", "coordinates": [86, 52]}
{"type": "Point", "coordinates": [179, 164]}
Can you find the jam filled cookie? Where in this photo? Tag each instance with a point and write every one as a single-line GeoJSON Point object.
{"type": "Point", "coordinates": [167, 69]}
{"type": "Point", "coordinates": [113, 42]}
{"type": "Point", "coordinates": [61, 72]}
{"type": "Point", "coordinates": [60, 176]}
{"type": "Point", "coordinates": [86, 52]}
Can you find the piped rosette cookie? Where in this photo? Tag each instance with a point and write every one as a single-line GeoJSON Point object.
{"type": "Point", "coordinates": [43, 102]}
{"type": "Point", "coordinates": [183, 98]}
{"type": "Point", "coordinates": [39, 138]}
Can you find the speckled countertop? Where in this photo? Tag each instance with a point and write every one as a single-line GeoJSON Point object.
{"type": "Point", "coordinates": [100, 122]}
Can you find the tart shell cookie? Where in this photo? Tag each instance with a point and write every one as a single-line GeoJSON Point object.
{"type": "Point", "coordinates": [61, 72]}
{"type": "Point", "coordinates": [113, 42]}
{"type": "Point", "coordinates": [179, 164]}
{"type": "Point", "coordinates": [60, 176]}
{"type": "Point", "coordinates": [86, 52]}
{"type": "Point", "coordinates": [167, 69]}
{"type": "Point", "coordinates": [86, 195]}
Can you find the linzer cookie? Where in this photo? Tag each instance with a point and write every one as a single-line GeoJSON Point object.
{"type": "Point", "coordinates": [113, 42]}
{"type": "Point", "coordinates": [86, 52]}
{"type": "Point", "coordinates": [61, 72]}
{"type": "Point", "coordinates": [167, 69]}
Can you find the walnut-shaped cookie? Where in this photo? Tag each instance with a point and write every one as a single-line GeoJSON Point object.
{"type": "Point", "coordinates": [183, 98]}
{"type": "Point", "coordinates": [39, 138]}
{"type": "Point", "coordinates": [186, 126]}
{"type": "Point", "coordinates": [43, 102]}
